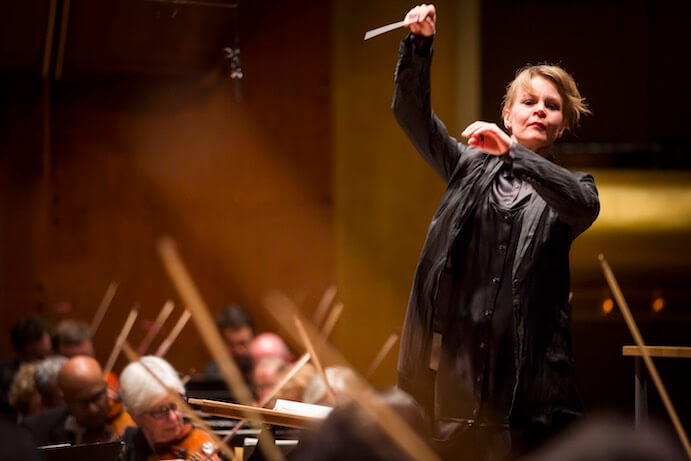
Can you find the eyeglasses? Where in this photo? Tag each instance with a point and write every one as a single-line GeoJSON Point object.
{"type": "Point", "coordinates": [95, 399]}
{"type": "Point", "coordinates": [162, 412]}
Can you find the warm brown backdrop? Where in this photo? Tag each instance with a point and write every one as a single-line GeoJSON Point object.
{"type": "Point", "coordinates": [243, 186]}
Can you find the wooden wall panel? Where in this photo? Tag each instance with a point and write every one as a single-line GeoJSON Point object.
{"type": "Point", "coordinates": [385, 193]}
{"type": "Point", "coordinates": [243, 186]}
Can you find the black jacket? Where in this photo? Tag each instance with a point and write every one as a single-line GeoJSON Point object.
{"type": "Point", "coordinates": [564, 206]}
{"type": "Point", "coordinates": [48, 427]}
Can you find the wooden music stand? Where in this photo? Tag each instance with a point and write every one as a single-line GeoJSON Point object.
{"type": "Point", "coordinates": [640, 382]}
{"type": "Point", "coordinates": [237, 411]}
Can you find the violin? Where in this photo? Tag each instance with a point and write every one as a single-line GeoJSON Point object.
{"type": "Point", "coordinates": [118, 419]}
{"type": "Point", "coordinates": [194, 445]}
{"type": "Point", "coordinates": [112, 382]}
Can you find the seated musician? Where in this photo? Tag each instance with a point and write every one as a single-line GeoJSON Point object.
{"type": "Point", "coordinates": [267, 373]}
{"type": "Point", "coordinates": [89, 415]}
{"type": "Point", "coordinates": [31, 341]}
{"type": "Point", "coordinates": [72, 338]}
{"type": "Point", "coordinates": [23, 396]}
{"type": "Point", "coordinates": [46, 379]}
{"type": "Point", "coordinates": [162, 433]}
{"type": "Point", "coordinates": [269, 345]}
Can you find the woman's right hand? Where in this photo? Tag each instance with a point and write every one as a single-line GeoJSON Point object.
{"type": "Point", "coordinates": [421, 20]}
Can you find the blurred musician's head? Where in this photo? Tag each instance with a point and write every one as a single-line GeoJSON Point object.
{"type": "Point", "coordinates": [266, 375]}
{"type": "Point", "coordinates": [31, 339]}
{"type": "Point", "coordinates": [269, 345]}
{"type": "Point", "coordinates": [338, 377]}
{"type": "Point", "coordinates": [73, 337]}
{"type": "Point", "coordinates": [46, 377]}
{"type": "Point", "coordinates": [236, 326]}
{"type": "Point", "coordinates": [84, 390]}
{"type": "Point", "coordinates": [147, 400]}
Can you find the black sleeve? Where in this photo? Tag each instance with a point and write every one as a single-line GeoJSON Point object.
{"type": "Point", "coordinates": [412, 107]}
{"type": "Point", "coordinates": [572, 195]}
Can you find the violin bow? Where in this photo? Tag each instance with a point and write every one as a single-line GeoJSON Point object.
{"type": "Point", "coordinates": [187, 290]}
{"type": "Point", "coordinates": [324, 303]}
{"type": "Point", "coordinates": [381, 355]}
{"type": "Point", "coordinates": [174, 333]}
{"type": "Point", "coordinates": [156, 327]}
{"type": "Point", "coordinates": [332, 318]}
{"type": "Point", "coordinates": [103, 307]}
{"type": "Point", "coordinates": [315, 359]}
{"type": "Point", "coordinates": [122, 337]}
{"type": "Point", "coordinates": [284, 312]}
{"type": "Point", "coordinates": [297, 366]}
{"type": "Point", "coordinates": [652, 370]}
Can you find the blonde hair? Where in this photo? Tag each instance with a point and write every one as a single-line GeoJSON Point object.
{"type": "Point", "coordinates": [23, 389]}
{"type": "Point", "coordinates": [574, 105]}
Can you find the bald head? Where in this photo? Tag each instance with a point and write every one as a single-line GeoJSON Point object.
{"type": "Point", "coordinates": [78, 372]}
{"type": "Point", "coordinates": [84, 390]}
{"type": "Point", "coordinates": [269, 345]}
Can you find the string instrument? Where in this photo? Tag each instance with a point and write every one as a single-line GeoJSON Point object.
{"type": "Point", "coordinates": [193, 444]}
{"type": "Point", "coordinates": [112, 383]}
{"type": "Point", "coordinates": [118, 419]}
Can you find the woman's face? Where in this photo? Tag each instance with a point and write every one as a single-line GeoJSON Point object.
{"type": "Point", "coordinates": [162, 423]}
{"type": "Point", "coordinates": [535, 116]}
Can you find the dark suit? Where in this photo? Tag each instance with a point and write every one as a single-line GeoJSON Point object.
{"type": "Point", "coordinates": [48, 428]}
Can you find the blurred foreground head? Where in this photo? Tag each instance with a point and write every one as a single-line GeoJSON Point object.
{"type": "Point", "coordinates": [348, 433]}
{"type": "Point", "coordinates": [606, 438]}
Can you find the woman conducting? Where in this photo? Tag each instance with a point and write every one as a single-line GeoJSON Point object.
{"type": "Point", "coordinates": [486, 346]}
{"type": "Point", "coordinates": [161, 433]}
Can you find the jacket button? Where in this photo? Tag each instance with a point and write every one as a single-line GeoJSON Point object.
{"type": "Point", "coordinates": [495, 280]}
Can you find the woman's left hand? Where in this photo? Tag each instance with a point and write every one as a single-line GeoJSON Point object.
{"type": "Point", "coordinates": [487, 137]}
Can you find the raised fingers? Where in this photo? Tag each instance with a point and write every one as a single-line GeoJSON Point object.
{"type": "Point", "coordinates": [488, 137]}
{"type": "Point", "coordinates": [473, 127]}
{"type": "Point", "coordinates": [421, 19]}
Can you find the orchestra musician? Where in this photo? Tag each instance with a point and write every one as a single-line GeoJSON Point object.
{"type": "Point", "coordinates": [90, 414]}
{"type": "Point", "coordinates": [162, 433]}
{"type": "Point", "coordinates": [30, 339]}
